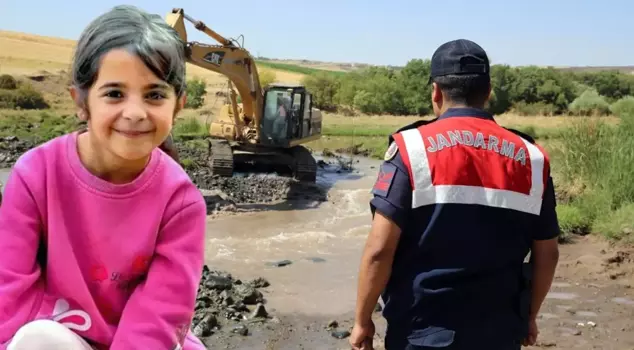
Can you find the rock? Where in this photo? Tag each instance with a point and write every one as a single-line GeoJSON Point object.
{"type": "Point", "coordinates": [254, 188]}
{"type": "Point", "coordinates": [332, 324]}
{"type": "Point", "coordinates": [259, 312]}
{"type": "Point", "coordinates": [217, 282]}
{"type": "Point", "coordinates": [279, 263]}
{"type": "Point", "coordinates": [221, 302]}
{"type": "Point", "coordinates": [205, 327]}
{"type": "Point", "coordinates": [241, 329]}
{"type": "Point", "coordinates": [11, 148]}
{"type": "Point", "coordinates": [340, 334]}
{"type": "Point", "coordinates": [618, 258]}
{"type": "Point", "coordinates": [247, 294]}
{"type": "Point", "coordinates": [259, 283]}
{"type": "Point", "coordinates": [546, 344]}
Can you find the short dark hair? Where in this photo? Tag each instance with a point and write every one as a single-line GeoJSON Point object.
{"type": "Point", "coordinates": [467, 89]}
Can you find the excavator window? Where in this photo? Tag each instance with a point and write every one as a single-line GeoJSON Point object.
{"type": "Point", "coordinates": [277, 112]}
{"type": "Point", "coordinates": [286, 114]}
{"type": "Point", "coordinates": [306, 122]}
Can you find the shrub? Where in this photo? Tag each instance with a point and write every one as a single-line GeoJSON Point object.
{"type": "Point", "coordinates": [189, 126]}
{"type": "Point", "coordinates": [267, 77]}
{"type": "Point", "coordinates": [571, 221]}
{"type": "Point", "coordinates": [601, 157]}
{"type": "Point", "coordinates": [590, 103]}
{"type": "Point", "coordinates": [617, 225]}
{"type": "Point", "coordinates": [22, 98]}
{"type": "Point", "coordinates": [8, 82]}
{"type": "Point", "coordinates": [323, 88]}
{"type": "Point", "coordinates": [536, 108]}
{"type": "Point", "coordinates": [196, 91]}
{"type": "Point", "coordinates": [623, 107]}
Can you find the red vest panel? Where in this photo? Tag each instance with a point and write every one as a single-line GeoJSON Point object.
{"type": "Point", "coordinates": [469, 160]}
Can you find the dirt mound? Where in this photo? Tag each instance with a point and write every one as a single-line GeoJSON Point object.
{"type": "Point", "coordinates": [257, 188]}
{"type": "Point", "coordinates": [241, 188]}
{"type": "Point", "coordinates": [225, 304]}
{"type": "Point", "coordinates": [354, 150]}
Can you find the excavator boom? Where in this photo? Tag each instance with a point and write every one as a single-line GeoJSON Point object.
{"type": "Point", "coordinates": [284, 112]}
{"type": "Point", "coordinates": [229, 60]}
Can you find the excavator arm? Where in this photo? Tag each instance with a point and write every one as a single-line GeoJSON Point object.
{"type": "Point", "coordinates": [227, 59]}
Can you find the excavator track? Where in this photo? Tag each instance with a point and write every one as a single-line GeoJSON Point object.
{"type": "Point", "coordinates": [305, 168]}
{"type": "Point", "coordinates": [220, 157]}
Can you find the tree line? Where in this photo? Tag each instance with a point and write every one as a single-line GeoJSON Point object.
{"type": "Point", "coordinates": [526, 90]}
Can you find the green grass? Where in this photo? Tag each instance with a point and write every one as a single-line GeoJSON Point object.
{"type": "Point", "coordinates": [37, 126]}
{"type": "Point", "coordinates": [188, 128]}
{"type": "Point", "coordinates": [618, 224]}
{"type": "Point", "coordinates": [571, 221]}
{"type": "Point", "coordinates": [374, 137]}
{"type": "Point", "coordinates": [597, 158]}
{"type": "Point", "coordinates": [297, 69]}
{"type": "Point", "coordinates": [374, 145]}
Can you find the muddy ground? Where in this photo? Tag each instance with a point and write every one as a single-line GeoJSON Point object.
{"type": "Point", "coordinates": [590, 306]}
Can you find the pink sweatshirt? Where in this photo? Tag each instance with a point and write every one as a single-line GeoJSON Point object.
{"type": "Point", "coordinates": [123, 261]}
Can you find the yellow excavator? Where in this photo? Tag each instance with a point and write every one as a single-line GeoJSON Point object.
{"type": "Point", "coordinates": [266, 131]}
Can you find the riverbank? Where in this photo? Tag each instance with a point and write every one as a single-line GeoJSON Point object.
{"type": "Point", "coordinates": [293, 267]}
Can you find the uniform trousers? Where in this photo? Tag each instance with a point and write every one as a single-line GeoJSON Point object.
{"type": "Point", "coordinates": [396, 339]}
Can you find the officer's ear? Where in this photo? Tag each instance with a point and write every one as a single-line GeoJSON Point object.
{"type": "Point", "coordinates": [489, 93]}
{"type": "Point", "coordinates": [436, 93]}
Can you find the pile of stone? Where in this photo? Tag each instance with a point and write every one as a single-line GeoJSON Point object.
{"type": "Point", "coordinates": [11, 148]}
{"type": "Point", "coordinates": [225, 304]}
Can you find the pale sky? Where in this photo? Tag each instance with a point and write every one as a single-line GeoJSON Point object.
{"type": "Point", "coordinates": [384, 32]}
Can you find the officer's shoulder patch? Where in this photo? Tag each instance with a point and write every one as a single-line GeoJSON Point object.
{"type": "Point", "coordinates": [391, 151]}
{"type": "Point", "coordinates": [384, 180]}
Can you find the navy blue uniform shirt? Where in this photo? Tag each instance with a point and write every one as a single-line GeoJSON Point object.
{"type": "Point", "coordinates": [457, 266]}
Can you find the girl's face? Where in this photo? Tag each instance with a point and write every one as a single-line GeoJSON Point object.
{"type": "Point", "coordinates": [130, 110]}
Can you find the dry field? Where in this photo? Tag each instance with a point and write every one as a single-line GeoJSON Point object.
{"type": "Point", "coordinates": [546, 122]}
{"type": "Point", "coordinates": [23, 54]}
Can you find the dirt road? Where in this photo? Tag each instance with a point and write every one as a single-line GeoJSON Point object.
{"type": "Point", "coordinates": [308, 250]}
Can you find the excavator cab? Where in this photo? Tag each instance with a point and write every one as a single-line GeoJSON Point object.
{"type": "Point", "coordinates": [287, 115]}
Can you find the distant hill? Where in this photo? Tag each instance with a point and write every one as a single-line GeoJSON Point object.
{"type": "Point", "coordinates": [24, 53]}
{"type": "Point", "coordinates": [622, 69]}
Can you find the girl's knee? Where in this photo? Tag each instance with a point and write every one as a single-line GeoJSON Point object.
{"type": "Point", "coordinates": [45, 334]}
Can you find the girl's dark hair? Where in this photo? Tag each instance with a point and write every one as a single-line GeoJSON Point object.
{"type": "Point", "coordinates": [145, 35]}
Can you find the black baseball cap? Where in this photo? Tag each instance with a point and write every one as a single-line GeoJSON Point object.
{"type": "Point", "coordinates": [457, 57]}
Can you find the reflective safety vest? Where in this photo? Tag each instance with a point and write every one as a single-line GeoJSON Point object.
{"type": "Point", "coordinates": [465, 160]}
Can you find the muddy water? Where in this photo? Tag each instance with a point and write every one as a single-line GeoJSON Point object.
{"type": "Point", "coordinates": [322, 243]}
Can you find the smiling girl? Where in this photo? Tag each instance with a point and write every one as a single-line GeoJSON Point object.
{"type": "Point", "coordinates": [101, 232]}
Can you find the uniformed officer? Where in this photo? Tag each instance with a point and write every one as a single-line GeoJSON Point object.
{"type": "Point", "coordinates": [458, 204]}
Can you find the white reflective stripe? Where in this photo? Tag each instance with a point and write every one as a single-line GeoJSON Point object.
{"type": "Point", "coordinates": [425, 193]}
{"type": "Point", "coordinates": [490, 197]}
{"type": "Point", "coordinates": [418, 159]}
{"type": "Point", "coordinates": [537, 169]}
